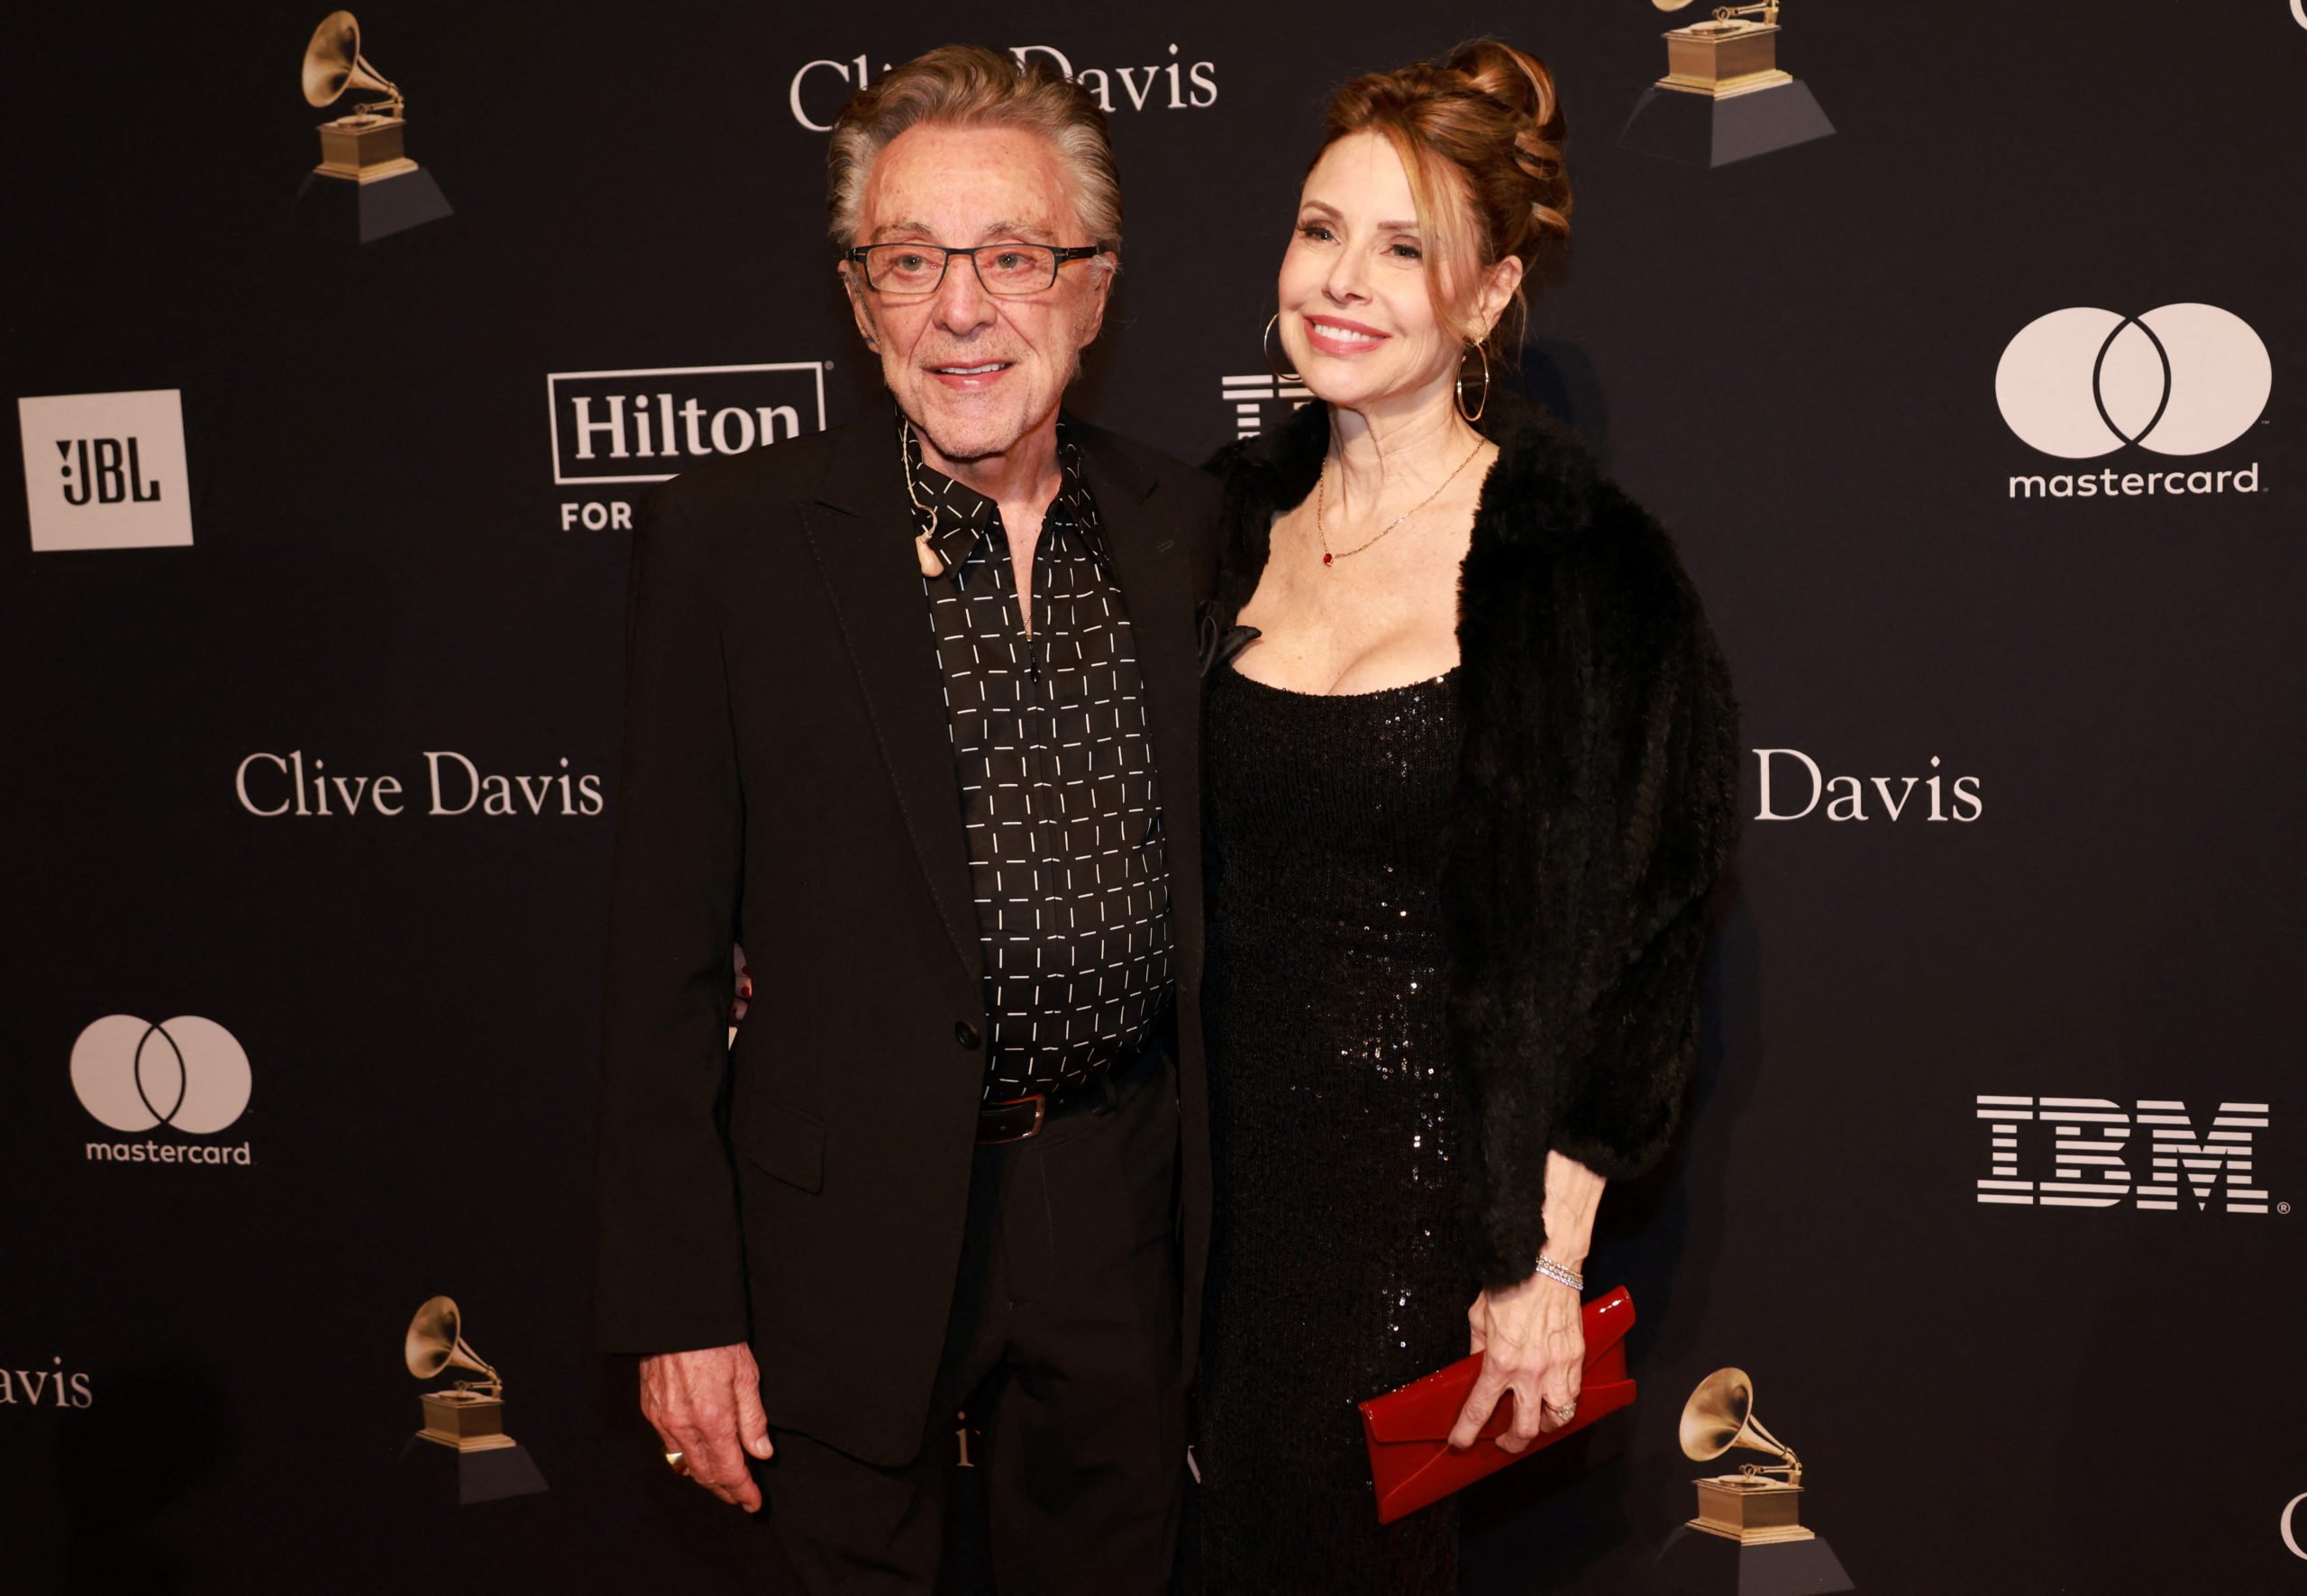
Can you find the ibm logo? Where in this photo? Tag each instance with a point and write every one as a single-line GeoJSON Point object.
{"type": "Point", "coordinates": [2090, 1138]}
{"type": "Point", "coordinates": [1248, 397]}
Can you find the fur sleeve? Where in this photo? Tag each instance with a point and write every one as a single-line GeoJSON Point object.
{"type": "Point", "coordinates": [1661, 786]}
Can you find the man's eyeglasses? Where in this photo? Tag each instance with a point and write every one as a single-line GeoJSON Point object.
{"type": "Point", "coordinates": [1007, 269]}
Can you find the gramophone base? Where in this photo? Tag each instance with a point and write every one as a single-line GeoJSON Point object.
{"type": "Point", "coordinates": [368, 211]}
{"type": "Point", "coordinates": [364, 148]}
{"type": "Point", "coordinates": [367, 174]}
{"type": "Point", "coordinates": [435, 1474]}
{"type": "Point", "coordinates": [1751, 1509]}
{"type": "Point", "coordinates": [1705, 130]}
{"type": "Point", "coordinates": [464, 1421]}
{"type": "Point", "coordinates": [467, 1444]}
{"type": "Point", "coordinates": [1753, 1538]}
{"type": "Point", "coordinates": [1707, 1564]}
{"type": "Point", "coordinates": [1713, 89]}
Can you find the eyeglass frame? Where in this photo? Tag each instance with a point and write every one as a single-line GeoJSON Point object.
{"type": "Point", "coordinates": [1060, 254]}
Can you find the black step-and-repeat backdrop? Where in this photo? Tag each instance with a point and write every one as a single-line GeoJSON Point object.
{"type": "Point", "coordinates": [1959, 362]}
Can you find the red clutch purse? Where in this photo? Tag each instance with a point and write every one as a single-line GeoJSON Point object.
{"type": "Point", "coordinates": [1409, 1430]}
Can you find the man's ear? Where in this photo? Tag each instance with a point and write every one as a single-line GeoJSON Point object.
{"type": "Point", "coordinates": [859, 307]}
{"type": "Point", "coordinates": [1105, 269]}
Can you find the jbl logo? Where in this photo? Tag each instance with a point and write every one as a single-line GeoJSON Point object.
{"type": "Point", "coordinates": [108, 471]}
{"type": "Point", "coordinates": [2100, 1159]}
{"type": "Point", "coordinates": [105, 471]}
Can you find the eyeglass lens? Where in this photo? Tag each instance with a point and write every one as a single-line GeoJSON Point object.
{"type": "Point", "coordinates": [1003, 268]}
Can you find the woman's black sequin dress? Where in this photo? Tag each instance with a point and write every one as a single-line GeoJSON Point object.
{"type": "Point", "coordinates": [1336, 1272]}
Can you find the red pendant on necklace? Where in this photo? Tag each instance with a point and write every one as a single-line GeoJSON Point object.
{"type": "Point", "coordinates": [1326, 558]}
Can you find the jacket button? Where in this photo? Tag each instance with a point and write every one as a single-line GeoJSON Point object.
{"type": "Point", "coordinates": [965, 1032]}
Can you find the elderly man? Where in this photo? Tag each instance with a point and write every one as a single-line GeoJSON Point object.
{"type": "Point", "coordinates": [912, 713]}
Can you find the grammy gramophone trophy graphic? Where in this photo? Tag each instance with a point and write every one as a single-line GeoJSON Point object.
{"type": "Point", "coordinates": [467, 1417]}
{"type": "Point", "coordinates": [1724, 96]}
{"type": "Point", "coordinates": [364, 166]}
{"type": "Point", "coordinates": [1748, 1537]}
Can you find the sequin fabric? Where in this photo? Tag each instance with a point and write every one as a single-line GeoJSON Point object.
{"type": "Point", "coordinates": [1337, 1271]}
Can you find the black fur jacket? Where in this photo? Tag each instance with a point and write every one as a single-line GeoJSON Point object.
{"type": "Point", "coordinates": [1596, 804]}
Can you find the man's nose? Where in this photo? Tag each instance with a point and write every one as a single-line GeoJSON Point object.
{"type": "Point", "coordinates": [962, 306]}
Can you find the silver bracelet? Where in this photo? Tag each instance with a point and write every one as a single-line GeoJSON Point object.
{"type": "Point", "coordinates": [1562, 1275]}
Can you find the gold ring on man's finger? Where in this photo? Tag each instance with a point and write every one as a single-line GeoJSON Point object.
{"type": "Point", "coordinates": [677, 1462]}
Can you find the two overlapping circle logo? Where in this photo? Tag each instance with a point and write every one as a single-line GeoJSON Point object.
{"type": "Point", "coordinates": [188, 1073]}
{"type": "Point", "coordinates": [2181, 379]}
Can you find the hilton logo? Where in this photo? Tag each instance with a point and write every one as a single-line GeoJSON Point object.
{"type": "Point", "coordinates": [105, 471]}
{"type": "Point", "coordinates": [2091, 1137]}
{"type": "Point", "coordinates": [651, 424]}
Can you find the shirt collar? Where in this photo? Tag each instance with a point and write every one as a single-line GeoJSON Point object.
{"type": "Point", "coordinates": [963, 524]}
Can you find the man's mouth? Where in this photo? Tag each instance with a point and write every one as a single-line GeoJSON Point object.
{"type": "Point", "coordinates": [982, 368]}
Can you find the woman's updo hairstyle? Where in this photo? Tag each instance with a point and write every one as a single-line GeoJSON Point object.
{"type": "Point", "coordinates": [1480, 134]}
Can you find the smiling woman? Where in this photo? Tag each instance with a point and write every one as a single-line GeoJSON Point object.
{"type": "Point", "coordinates": [1479, 141]}
{"type": "Point", "coordinates": [1470, 757]}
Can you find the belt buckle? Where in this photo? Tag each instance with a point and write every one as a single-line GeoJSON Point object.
{"type": "Point", "coordinates": [1041, 1112]}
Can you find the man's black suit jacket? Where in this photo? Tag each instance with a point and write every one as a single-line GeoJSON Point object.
{"type": "Point", "coordinates": [788, 782]}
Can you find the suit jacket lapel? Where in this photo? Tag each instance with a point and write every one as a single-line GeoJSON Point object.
{"type": "Point", "coordinates": [1151, 563]}
{"type": "Point", "coordinates": [859, 529]}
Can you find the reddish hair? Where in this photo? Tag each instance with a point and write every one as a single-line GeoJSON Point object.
{"type": "Point", "coordinates": [1480, 133]}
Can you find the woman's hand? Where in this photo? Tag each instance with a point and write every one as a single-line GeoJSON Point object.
{"type": "Point", "coordinates": [1532, 1337]}
{"type": "Point", "coordinates": [1533, 1343]}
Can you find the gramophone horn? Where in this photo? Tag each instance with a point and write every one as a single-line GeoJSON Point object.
{"type": "Point", "coordinates": [333, 62]}
{"type": "Point", "coordinates": [1721, 1415]}
{"type": "Point", "coordinates": [433, 1343]}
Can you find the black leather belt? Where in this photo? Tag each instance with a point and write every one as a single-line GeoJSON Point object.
{"type": "Point", "coordinates": [1013, 1119]}
{"type": "Point", "coordinates": [1020, 1119]}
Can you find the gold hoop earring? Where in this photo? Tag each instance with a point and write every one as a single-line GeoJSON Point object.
{"type": "Point", "coordinates": [1482, 403]}
{"type": "Point", "coordinates": [1265, 347]}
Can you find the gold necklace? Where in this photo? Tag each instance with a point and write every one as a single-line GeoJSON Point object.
{"type": "Point", "coordinates": [1322, 482]}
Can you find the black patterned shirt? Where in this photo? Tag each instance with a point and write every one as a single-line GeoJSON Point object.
{"type": "Point", "coordinates": [1059, 799]}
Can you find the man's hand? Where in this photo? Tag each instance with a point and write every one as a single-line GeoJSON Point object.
{"type": "Point", "coordinates": [706, 1405]}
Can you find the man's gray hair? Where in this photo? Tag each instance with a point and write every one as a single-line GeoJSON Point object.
{"type": "Point", "coordinates": [967, 85]}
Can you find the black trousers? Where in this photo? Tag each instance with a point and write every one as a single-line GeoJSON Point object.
{"type": "Point", "coordinates": [1064, 1347]}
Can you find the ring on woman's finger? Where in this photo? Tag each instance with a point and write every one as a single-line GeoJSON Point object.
{"type": "Point", "coordinates": [1561, 1414]}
